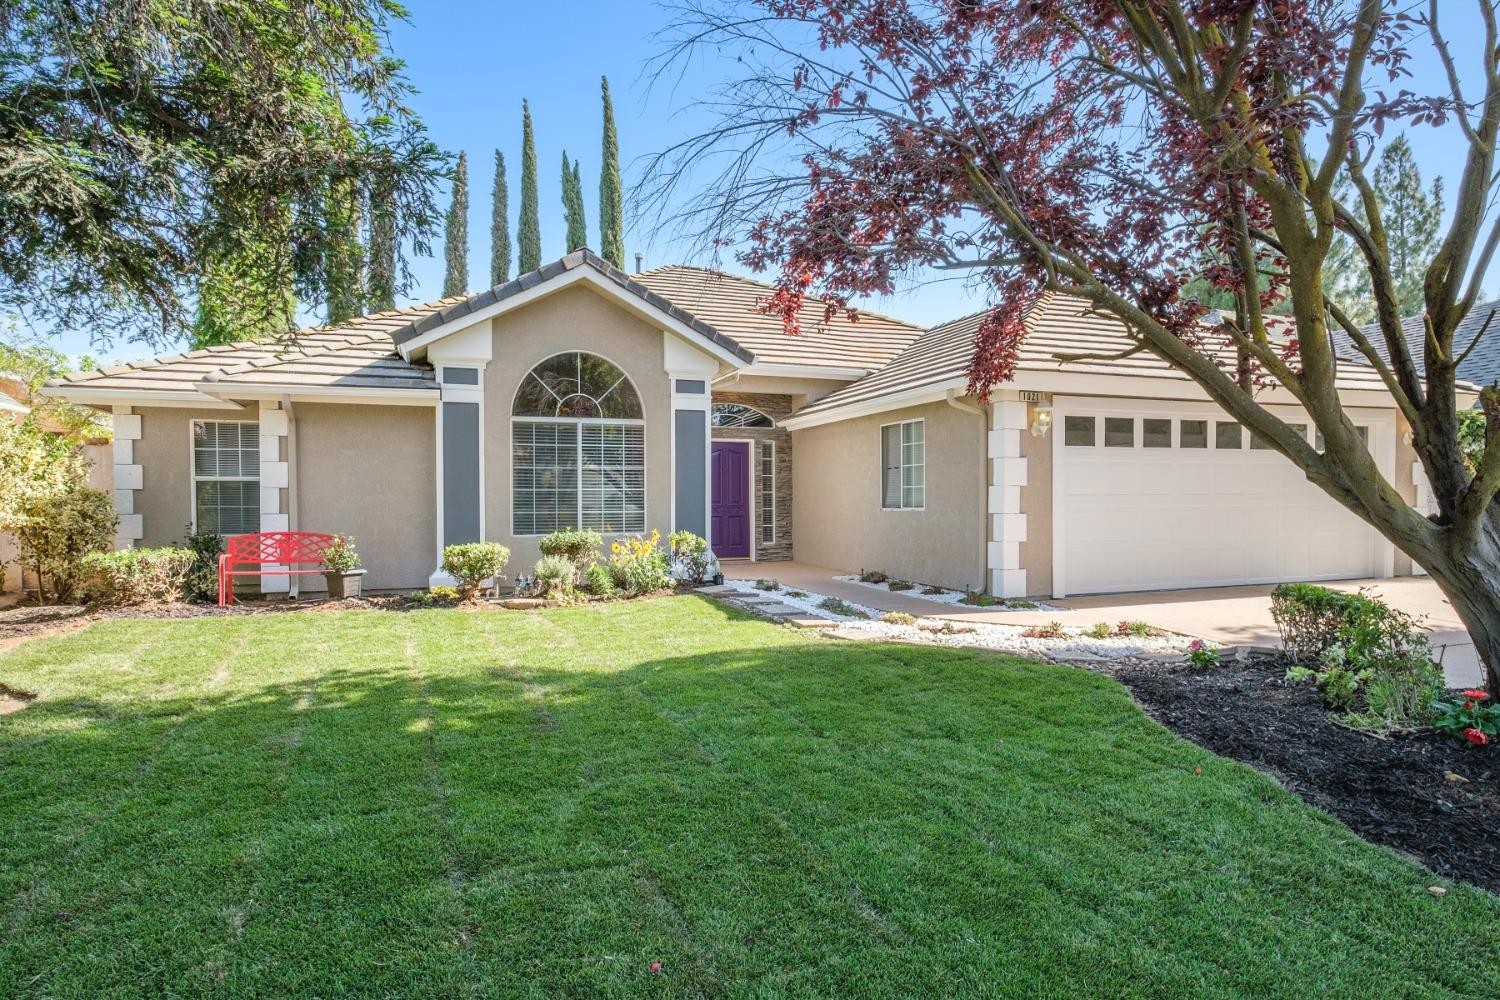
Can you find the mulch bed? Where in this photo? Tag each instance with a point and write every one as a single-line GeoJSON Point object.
{"type": "Point", "coordinates": [1425, 795]}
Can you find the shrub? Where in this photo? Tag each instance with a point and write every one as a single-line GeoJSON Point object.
{"type": "Point", "coordinates": [1051, 630]}
{"type": "Point", "coordinates": [979, 600]}
{"type": "Point", "coordinates": [835, 606]}
{"type": "Point", "coordinates": [898, 618]}
{"type": "Point", "coordinates": [1468, 719]}
{"type": "Point", "coordinates": [639, 566]}
{"type": "Point", "coordinates": [473, 563]}
{"type": "Point", "coordinates": [436, 597]}
{"type": "Point", "coordinates": [341, 556]}
{"type": "Point", "coordinates": [202, 581]}
{"type": "Point", "coordinates": [899, 585]}
{"type": "Point", "coordinates": [692, 552]}
{"type": "Point", "coordinates": [1099, 630]}
{"type": "Point", "coordinates": [1337, 685]}
{"type": "Point", "coordinates": [1136, 630]}
{"type": "Point", "coordinates": [54, 531]}
{"type": "Point", "coordinates": [768, 585]}
{"type": "Point", "coordinates": [872, 576]}
{"type": "Point", "coordinates": [1399, 692]}
{"type": "Point", "coordinates": [554, 576]}
{"type": "Point", "coordinates": [1202, 656]}
{"type": "Point", "coordinates": [933, 591]}
{"type": "Point", "coordinates": [598, 581]}
{"type": "Point", "coordinates": [1314, 619]}
{"type": "Point", "coordinates": [578, 545]}
{"type": "Point", "coordinates": [796, 593]}
{"type": "Point", "coordinates": [136, 576]}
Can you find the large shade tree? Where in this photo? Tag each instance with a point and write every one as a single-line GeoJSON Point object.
{"type": "Point", "coordinates": [148, 148]}
{"type": "Point", "coordinates": [1113, 149]}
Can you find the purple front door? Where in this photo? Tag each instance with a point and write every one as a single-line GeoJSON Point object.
{"type": "Point", "coordinates": [729, 531]}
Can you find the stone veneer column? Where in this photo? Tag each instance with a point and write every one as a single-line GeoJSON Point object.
{"type": "Point", "coordinates": [128, 477]}
{"type": "Point", "coordinates": [274, 477]}
{"type": "Point", "coordinates": [1007, 476]}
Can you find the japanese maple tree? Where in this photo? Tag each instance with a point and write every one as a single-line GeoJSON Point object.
{"type": "Point", "coordinates": [1115, 151]}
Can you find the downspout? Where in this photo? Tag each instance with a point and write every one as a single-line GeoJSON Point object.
{"type": "Point", "coordinates": [955, 400]}
{"type": "Point", "coordinates": [291, 462]}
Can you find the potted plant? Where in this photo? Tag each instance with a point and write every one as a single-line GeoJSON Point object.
{"type": "Point", "coordinates": [341, 568]}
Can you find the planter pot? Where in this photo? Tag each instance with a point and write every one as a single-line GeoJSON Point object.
{"type": "Point", "coordinates": [342, 585]}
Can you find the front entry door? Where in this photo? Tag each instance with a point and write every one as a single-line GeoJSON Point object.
{"type": "Point", "coordinates": [729, 532]}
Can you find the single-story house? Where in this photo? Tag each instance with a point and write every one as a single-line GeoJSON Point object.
{"type": "Point", "coordinates": [580, 395]}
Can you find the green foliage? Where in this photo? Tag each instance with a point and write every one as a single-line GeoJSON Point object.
{"type": "Point", "coordinates": [768, 585]}
{"type": "Point", "coordinates": [344, 259]}
{"type": "Point", "coordinates": [899, 585]}
{"type": "Point", "coordinates": [1471, 435]}
{"type": "Point", "coordinates": [693, 552]}
{"type": "Point", "coordinates": [1337, 685]}
{"type": "Point", "coordinates": [383, 276]}
{"type": "Point", "coordinates": [978, 600]}
{"type": "Point", "coordinates": [1314, 619]}
{"type": "Point", "coordinates": [1099, 630]}
{"type": "Point", "coordinates": [147, 148]}
{"type": "Point", "coordinates": [36, 363]}
{"type": "Point", "coordinates": [472, 563]}
{"type": "Point", "coordinates": [435, 597]}
{"type": "Point", "coordinates": [499, 225]}
{"type": "Point", "coordinates": [1472, 717]}
{"type": "Point", "coordinates": [202, 581]}
{"type": "Point", "coordinates": [246, 293]}
{"type": "Point", "coordinates": [456, 233]}
{"type": "Point", "coordinates": [639, 566]}
{"type": "Point", "coordinates": [933, 591]}
{"type": "Point", "coordinates": [872, 576]}
{"type": "Point", "coordinates": [898, 618]}
{"type": "Point", "coordinates": [136, 576]}
{"type": "Point", "coordinates": [611, 189]}
{"type": "Point", "coordinates": [1412, 216]}
{"type": "Point", "coordinates": [598, 581]}
{"type": "Point", "coordinates": [572, 199]}
{"type": "Point", "coordinates": [842, 608]}
{"type": "Point", "coordinates": [341, 556]}
{"type": "Point", "coordinates": [529, 229]}
{"type": "Point", "coordinates": [1202, 656]}
{"type": "Point", "coordinates": [55, 529]}
{"type": "Point", "coordinates": [1399, 692]}
{"type": "Point", "coordinates": [554, 575]}
{"type": "Point", "coordinates": [579, 546]}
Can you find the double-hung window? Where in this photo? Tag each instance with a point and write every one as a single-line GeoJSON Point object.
{"type": "Point", "coordinates": [903, 466]}
{"type": "Point", "coordinates": [578, 448]}
{"type": "Point", "coordinates": [226, 477]}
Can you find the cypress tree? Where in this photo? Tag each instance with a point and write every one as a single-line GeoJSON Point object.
{"type": "Point", "coordinates": [456, 241]}
{"type": "Point", "coordinates": [499, 234]}
{"type": "Point", "coordinates": [572, 197]}
{"type": "Point", "coordinates": [529, 235]}
{"type": "Point", "coordinates": [611, 211]}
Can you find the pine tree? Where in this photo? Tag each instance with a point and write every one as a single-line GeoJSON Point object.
{"type": "Point", "coordinates": [1412, 217]}
{"type": "Point", "coordinates": [572, 197]}
{"type": "Point", "coordinates": [529, 234]}
{"type": "Point", "coordinates": [499, 233]}
{"type": "Point", "coordinates": [456, 240]}
{"type": "Point", "coordinates": [611, 211]}
{"type": "Point", "coordinates": [345, 269]}
{"type": "Point", "coordinates": [382, 265]}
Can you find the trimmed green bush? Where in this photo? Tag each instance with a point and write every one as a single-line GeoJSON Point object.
{"type": "Point", "coordinates": [554, 576]}
{"type": "Point", "coordinates": [136, 576]}
{"type": "Point", "coordinates": [692, 551]}
{"type": "Point", "coordinates": [202, 582]}
{"type": "Point", "coordinates": [54, 531]}
{"type": "Point", "coordinates": [473, 563]}
{"type": "Point", "coordinates": [598, 582]}
{"type": "Point", "coordinates": [578, 545]}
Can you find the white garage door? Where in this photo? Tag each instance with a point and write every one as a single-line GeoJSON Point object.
{"type": "Point", "coordinates": [1161, 496]}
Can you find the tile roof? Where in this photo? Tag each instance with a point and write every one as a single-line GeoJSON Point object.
{"type": "Point", "coordinates": [1481, 367]}
{"type": "Point", "coordinates": [731, 303]}
{"type": "Point", "coordinates": [1056, 324]}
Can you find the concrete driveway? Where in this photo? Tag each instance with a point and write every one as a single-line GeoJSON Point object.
{"type": "Point", "coordinates": [1223, 616]}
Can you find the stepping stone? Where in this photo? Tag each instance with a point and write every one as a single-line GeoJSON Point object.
{"type": "Point", "coordinates": [805, 621]}
{"type": "Point", "coordinates": [717, 590]}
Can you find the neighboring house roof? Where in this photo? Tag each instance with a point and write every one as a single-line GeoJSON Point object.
{"type": "Point", "coordinates": [733, 305]}
{"type": "Point", "coordinates": [1481, 367]}
{"type": "Point", "coordinates": [1056, 324]}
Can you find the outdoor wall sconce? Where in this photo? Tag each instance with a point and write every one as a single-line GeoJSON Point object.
{"type": "Point", "coordinates": [1041, 419]}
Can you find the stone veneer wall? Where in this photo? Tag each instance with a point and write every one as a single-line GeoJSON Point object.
{"type": "Point", "coordinates": [776, 407]}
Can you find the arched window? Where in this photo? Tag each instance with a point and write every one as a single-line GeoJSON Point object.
{"type": "Point", "coordinates": [735, 415]}
{"type": "Point", "coordinates": [578, 452]}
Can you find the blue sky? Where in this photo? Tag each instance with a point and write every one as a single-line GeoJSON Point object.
{"type": "Point", "coordinates": [473, 63]}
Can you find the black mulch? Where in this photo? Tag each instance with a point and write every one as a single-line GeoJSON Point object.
{"type": "Point", "coordinates": [1427, 796]}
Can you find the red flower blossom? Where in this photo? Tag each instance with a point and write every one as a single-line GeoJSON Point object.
{"type": "Point", "coordinates": [1476, 694]}
{"type": "Point", "coordinates": [655, 966]}
{"type": "Point", "coordinates": [1476, 736]}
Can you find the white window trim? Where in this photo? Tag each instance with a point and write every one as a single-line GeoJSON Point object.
{"type": "Point", "coordinates": [881, 450]}
{"type": "Point", "coordinates": [578, 447]}
{"type": "Point", "coordinates": [767, 518]}
{"type": "Point", "coordinates": [194, 479]}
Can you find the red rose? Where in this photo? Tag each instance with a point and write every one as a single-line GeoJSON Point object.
{"type": "Point", "coordinates": [1476, 736]}
{"type": "Point", "coordinates": [1477, 694]}
{"type": "Point", "coordinates": [1470, 703]}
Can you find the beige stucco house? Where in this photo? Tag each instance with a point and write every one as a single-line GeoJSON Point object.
{"type": "Point", "coordinates": [579, 395]}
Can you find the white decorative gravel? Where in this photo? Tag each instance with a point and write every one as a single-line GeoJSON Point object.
{"type": "Point", "coordinates": [943, 597]}
{"type": "Point", "coordinates": [1007, 638]}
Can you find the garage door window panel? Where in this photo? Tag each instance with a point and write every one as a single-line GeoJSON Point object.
{"type": "Point", "coordinates": [1193, 434]}
{"type": "Point", "coordinates": [1078, 432]}
{"type": "Point", "coordinates": [1156, 433]}
{"type": "Point", "coordinates": [1119, 432]}
{"type": "Point", "coordinates": [1228, 436]}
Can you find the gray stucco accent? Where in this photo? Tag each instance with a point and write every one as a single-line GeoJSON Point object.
{"type": "Point", "coordinates": [460, 376]}
{"type": "Point", "coordinates": [691, 488]}
{"type": "Point", "coordinates": [460, 473]}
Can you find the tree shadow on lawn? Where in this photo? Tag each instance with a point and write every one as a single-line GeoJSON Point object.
{"type": "Point", "coordinates": [792, 815]}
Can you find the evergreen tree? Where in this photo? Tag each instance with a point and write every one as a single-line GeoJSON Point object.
{"type": "Point", "coordinates": [1412, 217]}
{"type": "Point", "coordinates": [246, 294]}
{"type": "Point", "coordinates": [382, 266]}
{"type": "Point", "coordinates": [499, 233]}
{"type": "Point", "coordinates": [456, 244]}
{"type": "Point", "coordinates": [529, 234]}
{"type": "Point", "coordinates": [572, 197]}
{"type": "Point", "coordinates": [345, 264]}
{"type": "Point", "coordinates": [611, 211]}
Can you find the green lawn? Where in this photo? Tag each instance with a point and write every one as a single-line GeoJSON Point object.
{"type": "Point", "coordinates": [543, 804]}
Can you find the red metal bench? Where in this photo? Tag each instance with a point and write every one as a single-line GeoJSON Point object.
{"type": "Point", "coordinates": [281, 549]}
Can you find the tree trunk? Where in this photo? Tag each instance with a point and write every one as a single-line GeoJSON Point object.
{"type": "Point", "coordinates": [1471, 580]}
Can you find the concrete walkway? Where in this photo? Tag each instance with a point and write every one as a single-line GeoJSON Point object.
{"type": "Point", "coordinates": [1223, 616]}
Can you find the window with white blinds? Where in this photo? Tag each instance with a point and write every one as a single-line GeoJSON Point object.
{"type": "Point", "coordinates": [226, 477]}
{"type": "Point", "coordinates": [903, 466]}
{"type": "Point", "coordinates": [766, 484]}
